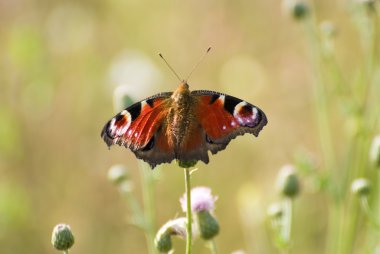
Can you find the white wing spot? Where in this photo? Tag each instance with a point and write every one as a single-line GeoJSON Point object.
{"type": "Point", "coordinates": [143, 104]}
{"type": "Point", "coordinates": [222, 99]}
{"type": "Point", "coordinates": [121, 131]}
{"type": "Point", "coordinates": [112, 126]}
{"type": "Point", "coordinates": [254, 113]}
{"type": "Point", "coordinates": [136, 134]}
{"type": "Point", "coordinates": [224, 127]}
{"type": "Point", "coordinates": [233, 123]}
{"type": "Point", "coordinates": [238, 107]}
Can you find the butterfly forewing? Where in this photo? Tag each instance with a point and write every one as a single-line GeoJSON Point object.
{"type": "Point", "coordinates": [135, 126]}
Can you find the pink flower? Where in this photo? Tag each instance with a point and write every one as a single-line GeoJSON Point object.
{"type": "Point", "coordinates": [201, 200]}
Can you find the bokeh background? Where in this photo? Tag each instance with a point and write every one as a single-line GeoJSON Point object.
{"type": "Point", "coordinates": [60, 64]}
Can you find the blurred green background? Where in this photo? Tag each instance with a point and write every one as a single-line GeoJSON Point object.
{"type": "Point", "coordinates": [60, 64]}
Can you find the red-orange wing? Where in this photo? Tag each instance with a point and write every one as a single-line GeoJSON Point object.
{"type": "Point", "coordinates": [224, 117]}
{"type": "Point", "coordinates": [140, 128]}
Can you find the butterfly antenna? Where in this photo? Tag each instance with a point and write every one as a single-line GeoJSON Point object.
{"type": "Point", "coordinates": [175, 73]}
{"type": "Point", "coordinates": [200, 61]}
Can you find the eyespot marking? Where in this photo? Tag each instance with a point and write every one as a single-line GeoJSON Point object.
{"type": "Point", "coordinates": [119, 124]}
{"type": "Point", "coordinates": [246, 114]}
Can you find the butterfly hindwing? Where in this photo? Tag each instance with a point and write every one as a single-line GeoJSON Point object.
{"type": "Point", "coordinates": [223, 117]}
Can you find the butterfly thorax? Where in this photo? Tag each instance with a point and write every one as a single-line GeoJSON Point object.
{"type": "Point", "coordinates": [180, 117]}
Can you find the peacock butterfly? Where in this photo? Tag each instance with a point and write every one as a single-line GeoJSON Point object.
{"type": "Point", "coordinates": [182, 125]}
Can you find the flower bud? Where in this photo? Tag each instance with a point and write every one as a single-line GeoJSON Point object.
{"type": "Point", "coordinates": [201, 200]}
{"type": "Point", "coordinates": [118, 174]}
{"type": "Point", "coordinates": [360, 187]}
{"type": "Point", "coordinates": [275, 211]}
{"type": "Point", "coordinates": [374, 155]}
{"type": "Point", "coordinates": [186, 164]}
{"type": "Point", "coordinates": [126, 187]}
{"type": "Point", "coordinates": [287, 181]}
{"type": "Point", "coordinates": [297, 9]}
{"type": "Point", "coordinates": [175, 227]}
{"type": "Point", "coordinates": [208, 225]}
{"type": "Point", "coordinates": [62, 237]}
{"type": "Point", "coordinates": [121, 98]}
{"type": "Point", "coordinates": [163, 242]}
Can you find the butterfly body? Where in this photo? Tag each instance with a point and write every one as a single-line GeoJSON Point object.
{"type": "Point", "coordinates": [182, 125]}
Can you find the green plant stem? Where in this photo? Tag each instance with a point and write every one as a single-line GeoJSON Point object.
{"type": "Point", "coordinates": [66, 252]}
{"type": "Point", "coordinates": [359, 162]}
{"type": "Point", "coordinates": [324, 131]}
{"type": "Point", "coordinates": [213, 248]}
{"type": "Point", "coordinates": [147, 182]}
{"type": "Point", "coordinates": [287, 226]}
{"type": "Point", "coordinates": [378, 191]}
{"type": "Point", "coordinates": [189, 231]}
{"type": "Point", "coordinates": [137, 213]}
{"type": "Point", "coordinates": [367, 210]}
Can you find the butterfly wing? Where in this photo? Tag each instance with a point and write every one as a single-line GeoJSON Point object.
{"type": "Point", "coordinates": [223, 117]}
{"type": "Point", "coordinates": [141, 128]}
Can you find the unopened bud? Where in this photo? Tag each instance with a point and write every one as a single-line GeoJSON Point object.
{"type": "Point", "coordinates": [186, 164]}
{"type": "Point", "coordinates": [208, 225]}
{"type": "Point", "coordinates": [121, 98]}
{"type": "Point", "coordinates": [163, 242]}
{"type": "Point", "coordinates": [118, 174]}
{"type": "Point", "coordinates": [296, 8]}
{"type": "Point", "coordinates": [275, 211]}
{"type": "Point", "coordinates": [360, 187]}
{"type": "Point", "coordinates": [288, 182]}
{"type": "Point", "coordinates": [62, 237]}
{"type": "Point", "coordinates": [175, 227]}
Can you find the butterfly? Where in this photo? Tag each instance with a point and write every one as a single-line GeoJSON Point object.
{"type": "Point", "coordinates": [182, 125]}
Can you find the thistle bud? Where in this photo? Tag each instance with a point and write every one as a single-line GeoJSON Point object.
{"type": "Point", "coordinates": [208, 225]}
{"type": "Point", "coordinates": [175, 227]}
{"type": "Point", "coordinates": [201, 200]}
{"type": "Point", "coordinates": [186, 164]}
{"type": "Point", "coordinates": [163, 242]}
{"type": "Point", "coordinates": [360, 187]}
{"type": "Point", "coordinates": [296, 8]}
{"type": "Point", "coordinates": [62, 238]}
{"type": "Point", "coordinates": [121, 98]}
{"type": "Point", "coordinates": [287, 181]}
{"type": "Point", "coordinates": [118, 174]}
{"type": "Point", "coordinates": [374, 155]}
{"type": "Point", "coordinates": [275, 211]}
